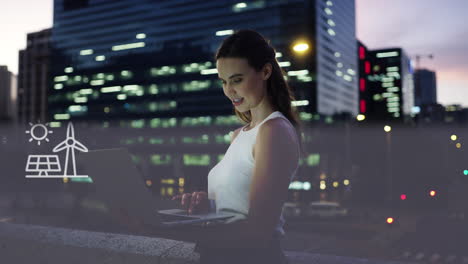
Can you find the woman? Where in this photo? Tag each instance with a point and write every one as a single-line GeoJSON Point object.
{"type": "Point", "coordinates": [252, 179]}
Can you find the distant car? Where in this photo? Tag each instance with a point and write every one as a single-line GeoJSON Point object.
{"type": "Point", "coordinates": [322, 209]}
{"type": "Point", "coordinates": [291, 210]}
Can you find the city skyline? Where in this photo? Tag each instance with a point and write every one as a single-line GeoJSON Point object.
{"type": "Point", "coordinates": [401, 23]}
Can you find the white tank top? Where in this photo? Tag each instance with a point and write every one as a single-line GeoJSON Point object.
{"type": "Point", "coordinates": [229, 180]}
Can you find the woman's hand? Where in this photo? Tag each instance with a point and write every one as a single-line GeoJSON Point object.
{"type": "Point", "coordinates": [194, 203]}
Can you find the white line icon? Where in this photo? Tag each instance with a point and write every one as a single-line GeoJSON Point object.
{"type": "Point", "coordinates": [37, 127]}
{"type": "Point", "coordinates": [43, 164]}
{"type": "Point", "coordinates": [70, 144]}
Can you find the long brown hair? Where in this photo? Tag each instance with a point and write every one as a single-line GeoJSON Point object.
{"type": "Point", "coordinates": [251, 45]}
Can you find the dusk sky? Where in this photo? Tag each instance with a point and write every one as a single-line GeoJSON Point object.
{"type": "Point", "coordinates": [418, 26]}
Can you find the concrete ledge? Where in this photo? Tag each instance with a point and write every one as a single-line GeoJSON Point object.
{"type": "Point", "coordinates": [42, 244]}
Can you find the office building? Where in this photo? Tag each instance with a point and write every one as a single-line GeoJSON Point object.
{"type": "Point", "coordinates": [387, 91]}
{"type": "Point", "coordinates": [33, 77]}
{"type": "Point", "coordinates": [425, 87]}
{"type": "Point", "coordinates": [7, 95]}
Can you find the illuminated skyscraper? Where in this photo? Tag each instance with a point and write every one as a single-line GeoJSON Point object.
{"type": "Point", "coordinates": [132, 59]}
{"type": "Point", "coordinates": [389, 92]}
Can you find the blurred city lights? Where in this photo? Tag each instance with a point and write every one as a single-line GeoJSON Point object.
{"type": "Point", "coordinates": [390, 220]}
{"type": "Point", "coordinates": [432, 193]}
{"type": "Point", "coordinates": [346, 182]}
{"type": "Point", "coordinates": [453, 137]}
{"type": "Point", "coordinates": [360, 117]}
{"type": "Point", "coordinates": [465, 172]}
{"type": "Point", "coordinates": [387, 128]}
{"type": "Point", "coordinates": [403, 197]}
{"type": "Point", "coordinates": [458, 145]}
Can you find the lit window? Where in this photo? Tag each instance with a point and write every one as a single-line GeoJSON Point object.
{"type": "Point", "coordinates": [128, 46]}
{"type": "Point", "coordinates": [224, 32]}
{"type": "Point", "coordinates": [298, 73]}
{"type": "Point", "coordinates": [61, 78]}
{"type": "Point", "coordinates": [86, 52]}
{"type": "Point", "coordinates": [284, 64]}
{"type": "Point", "coordinates": [141, 36]}
{"type": "Point", "coordinates": [62, 116]}
{"type": "Point", "coordinates": [387, 54]}
{"type": "Point", "coordinates": [300, 103]}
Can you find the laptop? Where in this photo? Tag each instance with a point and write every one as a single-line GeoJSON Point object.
{"type": "Point", "coordinates": [119, 185]}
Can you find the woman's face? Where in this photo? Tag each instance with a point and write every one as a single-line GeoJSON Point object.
{"type": "Point", "coordinates": [241, 81]}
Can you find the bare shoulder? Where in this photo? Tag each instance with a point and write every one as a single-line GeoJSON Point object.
{"type": "Point", "coordinates": [234, 135]}
{"type": "Point", "coordinates": [279, 132]}
{"type": "Point", "coordinates": [278, 127]}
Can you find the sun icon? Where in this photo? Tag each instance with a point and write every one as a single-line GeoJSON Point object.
{"type": "Point", "coordinates": [39, 132]}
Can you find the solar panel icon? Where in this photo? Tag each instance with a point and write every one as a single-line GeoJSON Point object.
{"type": "Point", "coordinates": [42, 165]}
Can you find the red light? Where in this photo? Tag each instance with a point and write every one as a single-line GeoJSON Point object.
{"type": "Point", "coordinates": [362, 106]}
{"type": "Point", "coordinates": [362, 53]}
{"type": "Point", "coordinates": [432, 193]}
{"type": "Point", "coordinates": [362, 84]}
{"type": "Point", "coordinates": [403, 197]}
{"type": "Point", "coordinates": [367, 67]}
{"type": "Point", "coordinates": [390, 220]}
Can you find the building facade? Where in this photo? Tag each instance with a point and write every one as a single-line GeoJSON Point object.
{"type": "Point", "coordinates": [33, 77]}
{"type": "Point", "coordinates": [425, 87]}
{"type": "Point", "coordinates": [386, 84]}
{"type": "Point", "coordinates": [7, 95]}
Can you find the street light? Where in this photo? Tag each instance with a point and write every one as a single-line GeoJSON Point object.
{"type": "Point", "coordinates": [388, 145]}
{"type": "Point", "coordinates": [301, 47]}
{"type": "Point", "coordinates": [360, 117]}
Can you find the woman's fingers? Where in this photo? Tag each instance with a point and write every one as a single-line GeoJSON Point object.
{"type": "Point", "coordinates": [186, 197]}
{"type": "Point", "coordinates": [192, 201]}
{"type": "Point", "coordinates": [179, 196]}
{"type": "Point", "coordinates": [199, 202]}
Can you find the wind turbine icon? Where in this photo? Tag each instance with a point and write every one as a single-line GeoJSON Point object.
{"type": "Point", "coordinates": [70, 143]}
